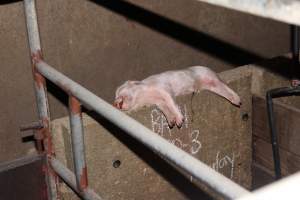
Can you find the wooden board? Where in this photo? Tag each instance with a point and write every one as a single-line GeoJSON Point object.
{"type": "Point", "coordinates": [287, 124]}
{"type": "Point", "coordinates": [290, 163]}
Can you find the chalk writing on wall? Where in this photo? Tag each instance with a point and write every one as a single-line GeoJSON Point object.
{"type": "Point", "coordinates": [222, 162]}
{"type": "Point", "coordinates": [191, 141]}
{"type": "Point", "coordinates": [160, 126]}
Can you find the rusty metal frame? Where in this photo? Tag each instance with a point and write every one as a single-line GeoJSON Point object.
{"type": "Point", "coordinates": [77, 95]}
{"type": "Point", "coordinates": [216, 181]}
{"type": "Point", "coordinates": [40, 92]}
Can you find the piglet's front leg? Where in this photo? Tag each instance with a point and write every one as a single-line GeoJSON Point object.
{"type": "Point", "coordinates": [167, 105]}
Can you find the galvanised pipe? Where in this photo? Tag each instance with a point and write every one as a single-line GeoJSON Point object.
{"type": "Point", "coordinates": [78, 143]}
{"type": "Point", "coordinates": [40, 89]}
{"type": "Point", "coordinates": [219, 183]}
{"type": "Point", "coordinates": [69, 178]}
{"type": "Point", "coordinates": [281, 10]}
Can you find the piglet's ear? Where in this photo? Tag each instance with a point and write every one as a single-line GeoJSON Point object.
{"type": "Point", "coordinates": [134, 82]}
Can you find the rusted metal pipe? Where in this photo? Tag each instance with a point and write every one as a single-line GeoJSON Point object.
{"type": "Point", "coordinates": [217, 182]}
{"type": "Point", "coordinates": [78, 143]}
{"type": "Point", "coordinates": [40, 88]}
{"type": "Point", "coordinates": [70, 179]}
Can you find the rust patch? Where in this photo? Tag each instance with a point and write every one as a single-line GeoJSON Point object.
{"type": "Point", "coordinates": [39, 146]}
{"type": "Point", "coordinates": [36, 57]}
{"type": "Point", "coordinates": [47, 137]}
{"type": "Point", "coordinates": [83, 179]}
{"type": "Point", "coordinates": [39, 80]}
{"type": "Point", "coordinates": [75, 106]}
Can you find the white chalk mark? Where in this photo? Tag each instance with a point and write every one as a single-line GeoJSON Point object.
{"type": "Point", "coordinates": [223, 162]}
{"type": "Point", "coordinates": [196, 144]}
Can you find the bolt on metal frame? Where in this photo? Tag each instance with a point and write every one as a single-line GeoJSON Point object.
{"type": "Point", "coordinates": [78, 94]}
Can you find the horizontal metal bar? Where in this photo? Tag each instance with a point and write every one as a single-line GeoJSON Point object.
{"type": "Point", "coordinates": [69, 177]}
{"type": "Point", "coordinates": [196, 168]}
{"type": "Point", "coordinates": [32, 126]}
{"type": "Point", "coordinates": [286, 188]}
{"type": "Point", "coordinates": [281, 10]}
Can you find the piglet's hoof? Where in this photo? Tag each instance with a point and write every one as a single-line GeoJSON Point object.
{"type": "Point", "coordinates": [172, 123]}
{"type": "Point", "coordinates": [179, 122]}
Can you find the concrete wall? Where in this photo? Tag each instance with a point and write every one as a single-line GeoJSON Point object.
{"type": "Point", "coordinates": [221, 138]}
{"type": "Point", "coordinates": [91, 43]}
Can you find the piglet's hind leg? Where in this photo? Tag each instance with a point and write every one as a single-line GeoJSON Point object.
{"type": "Point", "coordinates": [220, 88]}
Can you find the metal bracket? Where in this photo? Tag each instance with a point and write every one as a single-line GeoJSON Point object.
{"type": "Point", "coordinates": [35, 126]}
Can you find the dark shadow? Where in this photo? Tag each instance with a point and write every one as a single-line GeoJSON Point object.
{"type": "Point", "coordinates": [58, 93]}
{"type": "Point", "coordinates": [23, 178]}
{"type": "Point", "coordinates": [192, 37]}
{"type": "Point", "coordinates": [2, 2]}
{"type": "Point", "coordinates": [29, 138]}
{"type": "Point", "coordinates": [179, 181]}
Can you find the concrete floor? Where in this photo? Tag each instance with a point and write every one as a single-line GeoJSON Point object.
{"type": "Point", "coordinates": [24, 179]}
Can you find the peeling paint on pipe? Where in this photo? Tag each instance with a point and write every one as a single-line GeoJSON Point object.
{"type": "Point", "coordinates": [70, 179]}
{"type": "Point", "coordinates": [78, 143]}
{"type": "Point", "coordinates": [219, 183]}
{"type": "Point", "coordinates": [40, 90]}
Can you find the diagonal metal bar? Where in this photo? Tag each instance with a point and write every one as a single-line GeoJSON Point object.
{"type": "Point", "coordinates": [69, 177]}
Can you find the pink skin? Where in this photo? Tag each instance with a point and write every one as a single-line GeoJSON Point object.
{"type": "Point", "coordinates": [161, 89]}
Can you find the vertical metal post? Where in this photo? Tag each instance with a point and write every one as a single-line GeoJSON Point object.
{"type": "Point", "coordinates": [295, 55]}
{"type": "Point", "coordinates": [274, 140]}
{"type": "Point", "coordinates": [40, 89]}
{"type": "Point", "coordinates": [295, 42]}
{"type": "Point", "coordinates": [78, 143]}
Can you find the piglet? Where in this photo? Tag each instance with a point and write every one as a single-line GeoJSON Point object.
{"type": "Point", "coordinates": [161, 89]}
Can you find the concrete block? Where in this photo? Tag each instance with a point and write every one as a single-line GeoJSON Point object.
{"type": "Point", "coordinates": [215, 132]}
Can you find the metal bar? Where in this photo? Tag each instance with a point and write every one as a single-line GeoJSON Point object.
{"type": "Point", "coordinates": [286, 188]}
{"type": "Point", "coordinates": [295, 43]}
{"type": "Point", "coordinates": [32, 126]}
{"type": "Point", "coordinates": [295, 55]}
{"type": "Point", "coordinates": [281, 10]}
{"type": "Point", "coordinates": [274, 140]}
{"type": "Point", "coordinates": [69, 177]}
{"type": "Point", "coordinates": [196, 168]}
{"type": "Point", "coordinates": [78, 143]}
{"type": "Point", "coordinates": [40, 88]}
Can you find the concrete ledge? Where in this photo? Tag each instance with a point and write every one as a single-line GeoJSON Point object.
{"type": "Point", "coordinates": [215, 132]}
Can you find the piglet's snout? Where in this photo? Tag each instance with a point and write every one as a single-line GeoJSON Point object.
{"type": "Point", "coordinates": [118, 103]}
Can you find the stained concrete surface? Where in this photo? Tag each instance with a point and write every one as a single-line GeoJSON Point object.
{"type": "Point", "coordinates": [100, 49]}
{"type": "Point", "coordinates": [222, 131]}
{"type": "Point", "coordinates": [220, 137]}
